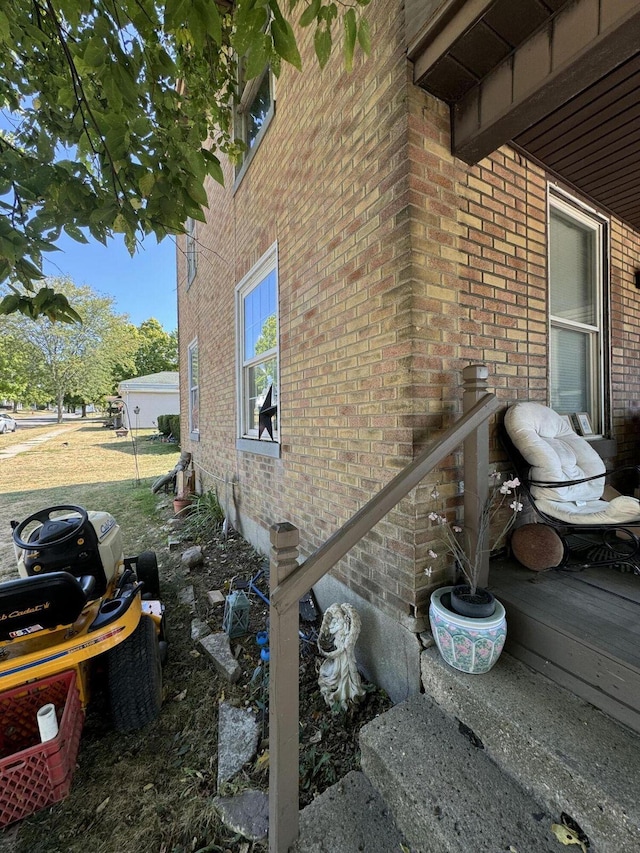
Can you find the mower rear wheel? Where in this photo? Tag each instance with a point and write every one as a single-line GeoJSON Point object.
{"type": "Point", "coordinates": [134, 678]}
{"type": "Point", "coordinates": [147, 571]}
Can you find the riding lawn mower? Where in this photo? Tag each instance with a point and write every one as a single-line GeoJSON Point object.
{"type": "Point", "coordinates": [77, 609]}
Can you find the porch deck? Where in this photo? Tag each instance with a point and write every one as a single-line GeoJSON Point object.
{"type": "Point", "coordinates": [580, 629]}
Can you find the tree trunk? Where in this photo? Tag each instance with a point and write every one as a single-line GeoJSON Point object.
{"type": "Point", "coordinates": [60, 407]}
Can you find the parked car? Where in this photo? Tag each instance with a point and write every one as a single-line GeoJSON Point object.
{"type": "Point", "coordinates": [7, 423]}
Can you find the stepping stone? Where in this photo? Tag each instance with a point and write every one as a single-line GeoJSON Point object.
{"type": "Point", "coordinates": [215, 596]}
{"type": "Point", "coordinates": [247, 813]}
{"type": "Point", "coordinates": [199, 629]}
{"type": "Point", "coordinates": [218, 648]}
{"type": "Point", "coordinates": [187, 596]}
{"type": "Point", "coordinates": [238, 734]}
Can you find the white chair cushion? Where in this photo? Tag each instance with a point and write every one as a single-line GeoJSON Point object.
{"type": "Point", "coordinates": [622, 510]}
{"type": "Point", "coordinates": [555, 453]}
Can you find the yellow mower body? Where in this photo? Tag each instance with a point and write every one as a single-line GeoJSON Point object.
{"type": "Point", "coordinates": [78, 601]}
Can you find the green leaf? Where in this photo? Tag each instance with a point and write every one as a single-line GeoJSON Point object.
{"type": "Point", "coordinates": [364, 36]}
{"type": "Point", "coordinates": [284, 43]}
{"type": "Point", "coordinates": [120, 225]}
{"type": "Point", "coordinates": [213, 166]}
{"type": "Point", "coordinates": [96, 53]}
{"type": "Point", "coordinates": [249, 27]}
{"type": "Point", "coordinates": [9, 304]}
{"type": "Point", "coordinates": [350, 34]}
{"type": "Point", "coordinates": [173, 13]}
{"type": "Point", "coordinates": [75, 233]}
{"type": "Point", "coordinates": [146, 184]}
{"type": "Point", "coordinates": [310, 13]}
{"type": "Point", "coordinates": [257, 57]}
{"type": "Point", "coordinates": [322, 45]}
{"type": "Point", "coordinates": [5, 35]}
{"type": "Point", "coordinates": [197, 192]}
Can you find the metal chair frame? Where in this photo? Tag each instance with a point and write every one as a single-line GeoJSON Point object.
{"type": "Point", "coordinates": [585, 545]}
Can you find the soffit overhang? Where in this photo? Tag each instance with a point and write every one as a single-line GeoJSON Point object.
{"type": "Point", "coordinates": [556, 78]}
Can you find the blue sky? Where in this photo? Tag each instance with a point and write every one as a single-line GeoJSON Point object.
{"type": "Point", "coordinates": [143, 286]}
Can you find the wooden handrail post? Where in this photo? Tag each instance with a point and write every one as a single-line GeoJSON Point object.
{"type": "Point", "coordinates": [476, 465]}
{"type": "Point", "coordinates": [284, 666]}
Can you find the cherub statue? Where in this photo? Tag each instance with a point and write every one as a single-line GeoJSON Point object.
{"type": "Point", "coordinates": [338, 677]}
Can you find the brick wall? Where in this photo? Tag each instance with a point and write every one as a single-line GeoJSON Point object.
{"type": "Point", "coordinates": [398, 265]}
{"type": "Point", "coordinates": [625, 349]}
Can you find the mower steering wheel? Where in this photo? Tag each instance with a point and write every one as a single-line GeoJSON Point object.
{"type": "Point", "coordinates": [43, 516]}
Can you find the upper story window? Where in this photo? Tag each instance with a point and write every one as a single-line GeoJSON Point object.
{"type": "Point", "coordinates": [577, 278]}
{"type": "Point", "coordinates": [253, 112]}
{"type": "Point", "coordinates": [190, 249]}
{"type": "Point", "coordinates": [257, 338]}
{"type": "Point", "coordinates": [193, 369]}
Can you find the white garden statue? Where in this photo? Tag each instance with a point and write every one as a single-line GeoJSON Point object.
{"type": "Point", "coordinates": [338, 677]}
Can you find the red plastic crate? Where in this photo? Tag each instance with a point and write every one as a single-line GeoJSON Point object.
{"type": "Point", "coordinates": [35, 774]}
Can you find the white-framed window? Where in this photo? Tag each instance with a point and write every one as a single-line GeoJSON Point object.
{"type": "Point", "coordinates": [193, 371]}
{"type": "Point", "coordinates": [253, 113]}
{"type": "Point", "coordinates": [577, 287]}
{"type": "Point", "coordinates": [190, 249]}
{"type": "Point", "coordinates": [257, 343]}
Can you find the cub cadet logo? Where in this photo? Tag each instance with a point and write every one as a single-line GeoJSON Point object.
{"type": "Point", "coordinates": [106, 527]}
{"type": "Point", "coordinates": [16, 613]}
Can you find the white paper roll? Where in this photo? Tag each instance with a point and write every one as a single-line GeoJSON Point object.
{"type": "Point", "coordinates": [47, 722]}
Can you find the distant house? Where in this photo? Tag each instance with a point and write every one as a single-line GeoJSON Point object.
{"type": "Point", "coordinates": [146, 397]}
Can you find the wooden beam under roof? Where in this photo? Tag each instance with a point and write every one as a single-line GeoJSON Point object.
{"type": "Point", "coordinates": [585, 41]}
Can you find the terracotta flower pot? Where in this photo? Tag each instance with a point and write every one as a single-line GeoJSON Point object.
{"type": "Point", "coordinates": [182, 506]}
{"type": "Point", "coordinates": [469, 644]}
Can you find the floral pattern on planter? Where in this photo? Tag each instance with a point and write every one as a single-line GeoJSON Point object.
{"type": "Point", "coordinates": [470, 645]}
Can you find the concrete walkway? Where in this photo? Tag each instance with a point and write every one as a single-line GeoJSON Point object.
{"type": "Point", "coordinates": [23, 447]}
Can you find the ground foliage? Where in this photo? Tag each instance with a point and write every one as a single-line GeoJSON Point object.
{"type": "Point", "coordinates": [152, 791]}
{"type": "Point", "coordinates": [116, 111]}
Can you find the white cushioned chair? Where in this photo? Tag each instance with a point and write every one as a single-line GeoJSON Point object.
{"type": "Point", "coordinates": [564, 478]}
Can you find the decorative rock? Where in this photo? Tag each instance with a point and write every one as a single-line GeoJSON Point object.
{"type": "Point", "coordinates": [199, 629]}
{"type": "Point", "coordinates": [237, 740]}
{"type": "Point", "coordinates": [218, 648]}
{"type": "Point", "coordinates": [193, 557]}
{"type": "Point", "coordinates": [215, 596]}
{"type": "Point", "coordinates": [187, 596]}
{"type": "Point", "coordinates": [426, 640]}
{"type": "Point", "coordinates": [247, 814]}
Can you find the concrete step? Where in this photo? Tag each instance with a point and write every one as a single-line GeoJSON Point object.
{"type": "Point", "coordinates": [445, 793]}
{"type": "Point", "coordinates": [347, 818]}
{"type": "Point", "coordinates": [568, 755]}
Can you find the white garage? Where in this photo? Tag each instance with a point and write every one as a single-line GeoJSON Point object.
{"type": "Point", "coordinates": [146, 397]}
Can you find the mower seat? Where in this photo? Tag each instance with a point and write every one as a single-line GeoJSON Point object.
{"type": "Point", "coordinates": [39, 602]}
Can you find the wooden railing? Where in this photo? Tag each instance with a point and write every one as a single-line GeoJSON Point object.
{"type": "Point", "coordinates": [290, 581]}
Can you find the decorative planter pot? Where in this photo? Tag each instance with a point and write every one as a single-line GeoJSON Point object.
{"type": "Point", "coordinates": [182, 506]}
{"type": "Point", "coordinates": [469, 644]}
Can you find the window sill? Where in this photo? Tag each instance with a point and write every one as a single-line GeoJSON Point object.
{"type": "Point", "coordinates": [261, 448]}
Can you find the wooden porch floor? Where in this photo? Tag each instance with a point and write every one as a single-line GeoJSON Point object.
{"type": "Point", "coordinates": [580, 629]}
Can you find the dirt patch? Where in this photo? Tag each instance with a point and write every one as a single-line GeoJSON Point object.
{"type": "Point", "coordinates": [153, 790]}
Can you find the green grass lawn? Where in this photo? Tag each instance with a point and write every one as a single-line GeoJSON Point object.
{"type": "Point", "coordinates": [88, 466]}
